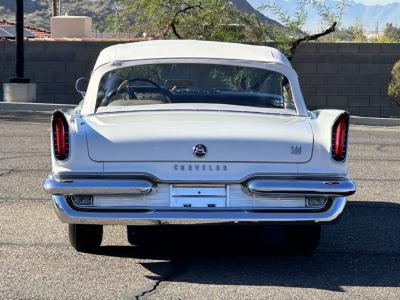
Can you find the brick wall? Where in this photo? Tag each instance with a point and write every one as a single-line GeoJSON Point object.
{"type": "Point", "coordinates": [54, 66]}
{"type": "Point", "coordinates": [348, 76]}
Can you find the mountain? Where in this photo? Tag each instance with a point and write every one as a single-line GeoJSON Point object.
{"type": "Point", "coordinates": [370, 16]}
{"type": "Point", "coordinates": [245, 6]}
{"type": "Point", "coordinates": [37, 12]}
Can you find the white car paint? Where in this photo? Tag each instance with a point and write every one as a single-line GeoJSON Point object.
{"type": "Point", "coordinates": [170, 136]}
{"type": "Point", "coordinates": [136, 165]}
{"type": "Point", "coordinates": [186, 49]}
{"type": "Point", "coordinates": [156, 139]}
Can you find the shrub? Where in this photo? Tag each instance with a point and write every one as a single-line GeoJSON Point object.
{"type": "Point", "coordinates": [394, 85]}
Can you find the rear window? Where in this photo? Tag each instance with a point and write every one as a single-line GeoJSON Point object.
{"type": "Point", "coordinates": [194, 83]}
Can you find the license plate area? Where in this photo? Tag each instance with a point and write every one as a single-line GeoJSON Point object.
{"type": "Point", "coordinates": [198, 196]}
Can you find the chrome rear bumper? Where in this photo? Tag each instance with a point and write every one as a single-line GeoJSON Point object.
{"type": "Point", "coordinates": [332, 187]}
{"type": "Point", "coordinates": [258, 189]}
{"type": "Point", "coordinates": [179, 217]}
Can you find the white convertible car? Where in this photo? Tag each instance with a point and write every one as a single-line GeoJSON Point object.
{"type": "Point", "coordinates": [179, 133]}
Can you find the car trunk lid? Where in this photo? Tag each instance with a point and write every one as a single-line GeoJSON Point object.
{"type": "Point", "coordinates": [171, 136]}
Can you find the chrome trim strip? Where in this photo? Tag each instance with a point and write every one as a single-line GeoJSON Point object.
{"type": "Point", "coordinates": [155, 217]}
{"type": "Point", "coordinates": [205, 209]}
{"type": "Point", "coordinates": [57, 186]}
{"type": "Point", "coordinates": [340, 187]}
{"type": "Point", "coordinates": [287, 113]}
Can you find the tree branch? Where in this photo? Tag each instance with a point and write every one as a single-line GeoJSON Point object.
{"type": "Point", "coordinates": [173, 23]}
{"type": "Point", "coordinates": [311, 37]}
{"type": "Point", "coordinates": [175, 32]}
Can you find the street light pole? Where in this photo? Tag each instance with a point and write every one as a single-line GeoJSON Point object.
{"type": "Point", "coordinates": [19, 48]}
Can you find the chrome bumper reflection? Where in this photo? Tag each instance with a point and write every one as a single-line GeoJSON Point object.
{"type": "Point", "coordinates": [57, 186]}
{"type": "Point", "coordinates": [305, 187]}
{"type": "Point", "coordinates": [156, 217]}
{"type": "Point", "coordinates": [340, 187]}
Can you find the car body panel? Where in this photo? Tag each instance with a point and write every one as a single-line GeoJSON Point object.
{"type": "Point", "coordinates": [171, 136]}
{"type": "Point", "coordinates": [184, 49]}
{"type": "Point", "coordinates": [141, 161]}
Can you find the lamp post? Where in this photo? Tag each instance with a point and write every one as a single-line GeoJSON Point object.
{"type": "Point", "coordinates": [19, 88]}
{"type": "Point", "coordinates": [19, 47]}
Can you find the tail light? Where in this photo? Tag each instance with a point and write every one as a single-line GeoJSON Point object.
{"type": "Point", "coordinates": [339, 137]}
{"type": "Point", "coordinates": [60, 130]}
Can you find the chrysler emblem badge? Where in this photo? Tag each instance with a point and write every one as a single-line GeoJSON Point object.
{"type": "Point", "coordinates": [200, 150]}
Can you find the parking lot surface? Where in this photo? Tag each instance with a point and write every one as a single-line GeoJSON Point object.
{"type": "Point", "coordinates": [358, 257]}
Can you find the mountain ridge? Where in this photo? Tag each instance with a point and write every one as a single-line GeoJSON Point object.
{"type": "Point", "coordinates": [37, 12]}
{"type": "Point", "coordinates": [370, 16]}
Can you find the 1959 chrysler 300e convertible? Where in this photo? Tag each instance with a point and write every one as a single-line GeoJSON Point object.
{"type": "Point", "coordinates": [195, 132]}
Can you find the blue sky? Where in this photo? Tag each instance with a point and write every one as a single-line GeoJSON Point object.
{"type": "Point", "coordinates": [363, 15]}
{"type": "Point", "coordinates": [376, 1]}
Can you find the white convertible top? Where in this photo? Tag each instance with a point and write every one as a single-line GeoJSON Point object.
{"type": "Point", "coordinates": [176, 49]}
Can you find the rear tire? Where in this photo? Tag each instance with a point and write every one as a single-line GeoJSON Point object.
{"type": "Point", "coordinates": [303, 239]}
{"type": "Point", "coordinates": [85, 238]}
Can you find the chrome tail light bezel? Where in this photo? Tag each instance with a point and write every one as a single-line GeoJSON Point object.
{"type": "Point", "coordinates": [60, 135]}
{"type": "Point", "coordinates": [339, 137]}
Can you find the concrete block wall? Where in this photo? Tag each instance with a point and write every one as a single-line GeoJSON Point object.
{"type": "Point", "coordinates": [350, 76]}
{"type": "Point", "coordinates": [53, 65]}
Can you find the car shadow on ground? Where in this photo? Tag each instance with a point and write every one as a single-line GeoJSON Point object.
{"type": "Point", "coordinates": [362, 249]}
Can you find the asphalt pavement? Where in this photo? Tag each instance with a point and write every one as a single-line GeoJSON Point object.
{"type": "Point", "coordinates": [358, 257]}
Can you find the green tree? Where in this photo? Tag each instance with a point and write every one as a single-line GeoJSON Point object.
{"type": "Point", "coordinates": [357, 33]}
{"type": "Point", "coordinates": [392, 32]}
{"type": "Point", "coordinates": [191, 19]}
{"type": "Point", "coordinates": [220, 20]}
{"type": "Point", "coordinates": [353, 33]}
{"type": "Point", "coordinates": [293, 33]}
{"type": "Point", "coordinates": [394, 85]}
